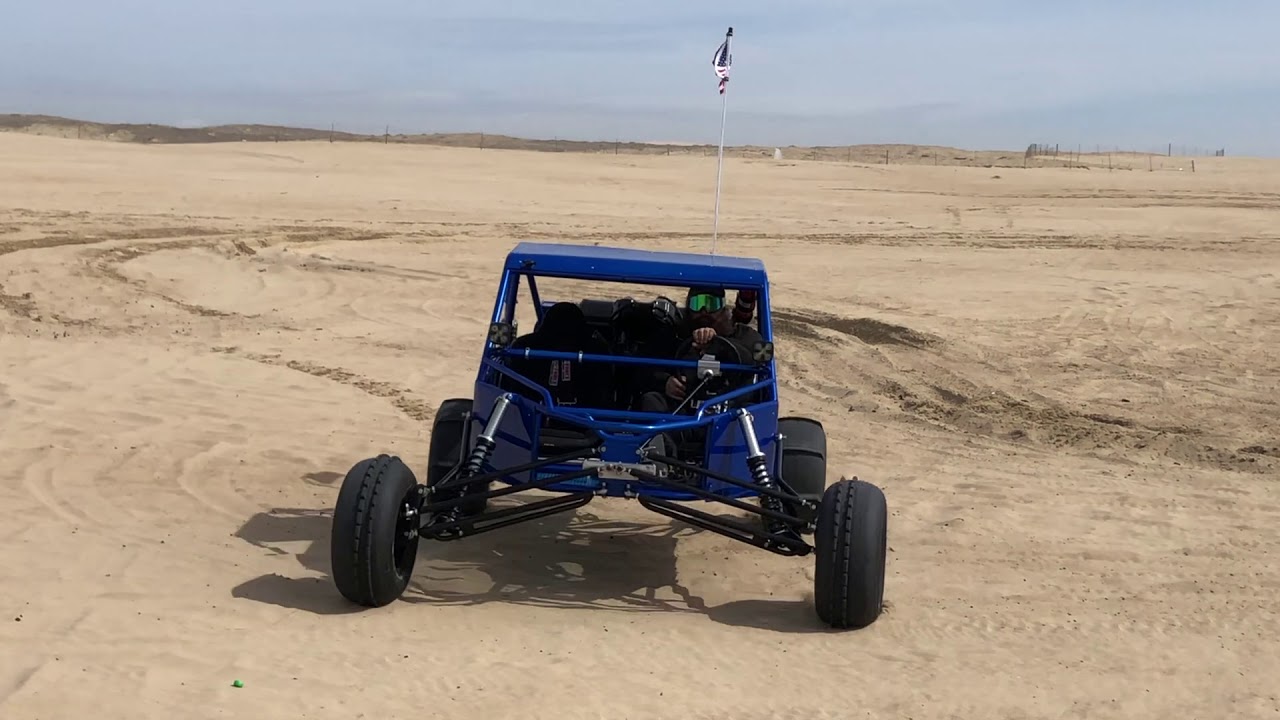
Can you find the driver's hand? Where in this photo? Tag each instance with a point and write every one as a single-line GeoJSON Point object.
{"type": "Point", "coordinates": [702, 336]}
{"type": "Point", "coordinates": [675, 387]}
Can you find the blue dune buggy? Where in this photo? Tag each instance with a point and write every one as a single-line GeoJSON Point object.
{"type": "Point", "coordinates": [557, 410]}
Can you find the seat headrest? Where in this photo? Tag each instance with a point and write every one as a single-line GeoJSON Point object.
{"type": "Point", "coordinates": [563, 326]}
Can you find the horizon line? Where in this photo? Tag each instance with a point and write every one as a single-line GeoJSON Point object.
{"type": "Point", "coordinates": [17, 121]}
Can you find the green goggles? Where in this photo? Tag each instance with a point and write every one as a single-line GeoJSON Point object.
{"type": "Point", "coordinates": [705, 303]}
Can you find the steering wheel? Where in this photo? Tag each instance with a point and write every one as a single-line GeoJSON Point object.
{"type": "Point", "coordinates": [723, 351]}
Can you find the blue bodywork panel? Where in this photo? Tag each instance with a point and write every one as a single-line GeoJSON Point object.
{"type": "Point", "coordinates": [623, 430]}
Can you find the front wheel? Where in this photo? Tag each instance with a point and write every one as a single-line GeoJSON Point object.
{"type": "Point", "coordinates": [850, 546]}
{"type": "Point", "coordinates": [374, 536]}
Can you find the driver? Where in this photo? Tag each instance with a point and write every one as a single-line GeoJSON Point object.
{"type": "Point", "coordinates": [708, 316]}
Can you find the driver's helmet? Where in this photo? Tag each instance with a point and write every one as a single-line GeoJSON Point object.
{"type": "Point", "coordinates": [704, 299]}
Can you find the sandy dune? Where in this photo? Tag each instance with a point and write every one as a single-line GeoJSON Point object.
{"type": "Point", "coordinates": [1065, 381]}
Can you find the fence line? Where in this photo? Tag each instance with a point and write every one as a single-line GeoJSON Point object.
{"type": "Point", "coordinates": [1112, 157]}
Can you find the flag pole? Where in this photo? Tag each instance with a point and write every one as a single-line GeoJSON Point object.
{"type": "Point", "coordinates": [721, 62]}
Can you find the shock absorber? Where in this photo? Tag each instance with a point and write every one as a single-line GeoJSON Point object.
{"type": "Point", "coordinates": [484, 443]}
{"type": "Point", "coordinates": [759, 472]}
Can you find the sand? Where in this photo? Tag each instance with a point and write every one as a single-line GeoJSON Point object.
{"type": "Point", "coordinates": [1064, 380]}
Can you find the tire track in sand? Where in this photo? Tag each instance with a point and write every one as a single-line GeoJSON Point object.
{"type": "Point", "coordinates": [400, 397]}
{"type": "Point", "coordinates": [924, 378]}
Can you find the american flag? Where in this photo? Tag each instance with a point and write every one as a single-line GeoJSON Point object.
{"type": "Point", "coordinates": [721, 61]}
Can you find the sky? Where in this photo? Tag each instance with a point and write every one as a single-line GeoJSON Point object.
{"type": "Point", "coordinates": [1127, 74]}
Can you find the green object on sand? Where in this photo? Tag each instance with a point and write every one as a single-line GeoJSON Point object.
{"type": "Point", "coordinates": [237, 683]}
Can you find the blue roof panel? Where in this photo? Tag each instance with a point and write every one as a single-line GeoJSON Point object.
{"type": "Point", "coordinates": [598, 262]}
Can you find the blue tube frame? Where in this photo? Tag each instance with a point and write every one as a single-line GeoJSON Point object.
{"type": "Point", "coordinates": [519, 434]}
{"type": "Point", "coordinates": [629, 421]}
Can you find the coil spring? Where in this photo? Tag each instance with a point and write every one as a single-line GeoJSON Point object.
{"type": "Point", "coordinates": [760, 474]}
{"type": "Point", "coordinates": [479, 455]}
{"type": "Point", "coordinates": [758, 471]}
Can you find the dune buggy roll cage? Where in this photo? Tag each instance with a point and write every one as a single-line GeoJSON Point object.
{"type": "Point", "coordinates": [502, 333]}
{"type": "Point", "coordinates": [646, 479]}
